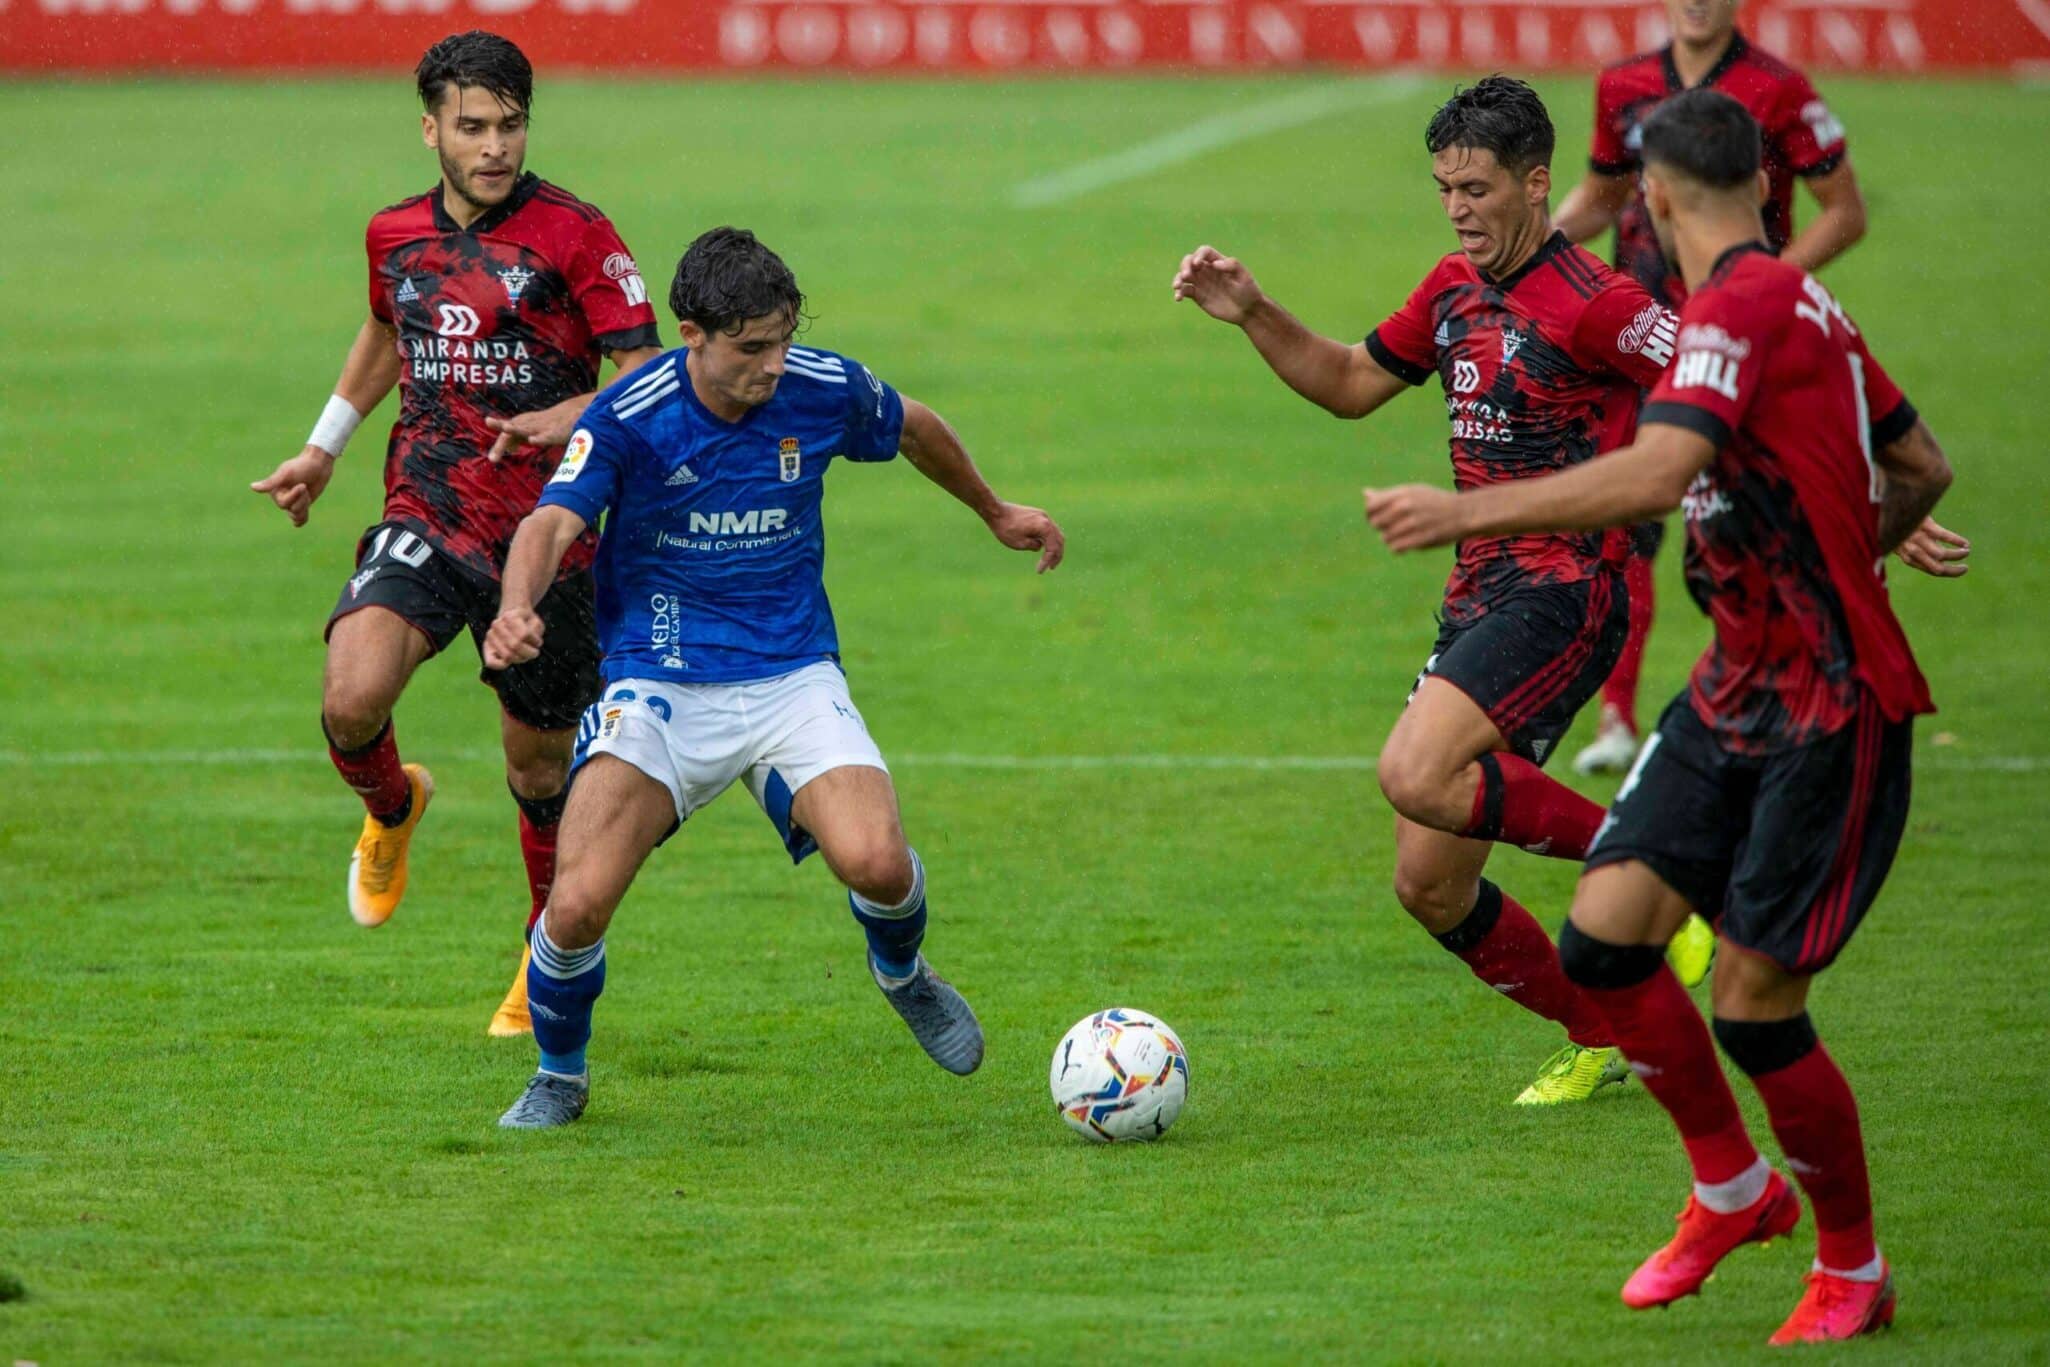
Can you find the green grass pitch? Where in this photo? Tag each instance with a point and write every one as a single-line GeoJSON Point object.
{"type": "Point", "coordinates": [233, 1126]}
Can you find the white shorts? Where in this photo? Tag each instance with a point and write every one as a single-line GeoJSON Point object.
{"type": "Point", "coordinates": [696, 739]}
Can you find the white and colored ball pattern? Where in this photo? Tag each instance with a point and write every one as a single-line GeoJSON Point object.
{"type": "Point", "coordinates": [1120, 1074]}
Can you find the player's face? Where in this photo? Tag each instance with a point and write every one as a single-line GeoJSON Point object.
{"type": "Point", "coordinates": [482, 142]}
{"type": "Point", "coordinates": [743, 368]}
{"type": "Point", "coordinates": [1497, 214]}
{"type": "Point", "coordinates": [1701, 21]}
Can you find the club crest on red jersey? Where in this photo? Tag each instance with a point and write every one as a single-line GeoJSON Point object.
{"type": "Point", "coordinates": [515, 279]}
{"type": "Point", "coordinates": [790, 459]}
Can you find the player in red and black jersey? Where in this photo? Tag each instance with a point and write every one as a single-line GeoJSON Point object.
{"type": "Point", "coordinates": [1803, 140]}
{"type": "Point", "coordinates": [1540, 350]}
{"type": "Point", "coordinates": [1775, 790]}
{"type": "Point", "coordinates": [493, 299]}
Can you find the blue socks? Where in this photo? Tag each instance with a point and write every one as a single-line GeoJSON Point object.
{"type": "Point", "coordinates": [562, 987]}
{"type": "Point", "coordinates": [894, 933]}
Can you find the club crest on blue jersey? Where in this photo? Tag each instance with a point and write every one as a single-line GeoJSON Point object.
{"type": "Point", "coordinates": [791, 456]}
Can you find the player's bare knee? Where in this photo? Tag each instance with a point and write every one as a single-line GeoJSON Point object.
{"type": "Point", "coordinates": [879, 870]}
{"type": "Point", "coordinates": [576, 919]}
{"type": "Point", "coordinates": [353, 716]}
{"type": "Point", "coordinates": [536, 777]}
{"type": "Point", "coordinates": [1437, 903]}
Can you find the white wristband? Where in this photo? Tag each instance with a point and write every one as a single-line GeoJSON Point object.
{"type": "Point", "coordinates": [338, 422]}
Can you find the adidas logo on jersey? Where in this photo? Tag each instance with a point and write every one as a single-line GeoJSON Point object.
{"type": "Point", "coordinates": [408, 293]}
{"type": "Point", "coordinates": [1442, 337]}
{"type": "Point", "coordinates": [683, 475]}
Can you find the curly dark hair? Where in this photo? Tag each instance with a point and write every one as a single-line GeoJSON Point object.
{"type": "Point", "coordinates": [729, 276]}
{"type": "Point", "coordinates": [479, 59]}
{"type": "Point", "coordinates": [1501, 115]}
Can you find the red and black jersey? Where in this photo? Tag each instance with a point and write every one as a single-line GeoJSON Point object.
{"type": "Point", "coordinates": [1783, 528]}
{"type": "Point", "coordinates": [1801, 136]}
{"type": "Point", "coordinates": [1541, 370]}
{"type": "Point", "coordinates": [508, 315]}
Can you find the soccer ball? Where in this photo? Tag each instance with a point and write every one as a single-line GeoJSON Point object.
{"type": "Point", "coordinates": [1120, 1074]}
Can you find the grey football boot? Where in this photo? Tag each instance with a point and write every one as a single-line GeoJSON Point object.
{"type": "Point", "coordinates": [939, 1017]}
{"type": "Point", "coordinates": [551, 1100]}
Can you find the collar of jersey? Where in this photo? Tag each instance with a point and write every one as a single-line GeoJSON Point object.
{"type": "Point", "coordinates": [1731, 255]}
{"type": "Point", "coordinates": [1547, 249]}
{"type": "Point", "coordinates": [523, 190]}
{"type": "Point", "coordinates": [1739, 45]}
{"type": "Point", "coordinates": [690, 396]}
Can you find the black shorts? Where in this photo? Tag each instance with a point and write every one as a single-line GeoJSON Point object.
{"type": "Point", "coordinates": [1785, 852]}
{"type": "Point", "coordinates": [400, 571]}
{"type": "Point", "coordinates": [1646, 538]}
{"type": "Point", "coordinates": [1532, 662]}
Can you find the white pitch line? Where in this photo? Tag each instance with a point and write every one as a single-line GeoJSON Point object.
{"type": "Point", "coordinates": [1206, 135]}
{"type": "Point", "coordinates": [2010, 764]}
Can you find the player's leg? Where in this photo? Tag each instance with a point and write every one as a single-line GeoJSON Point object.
{"type": "Point", "coordinates": [389, 619]}
{"type": "Point", "coordinates": [540, 702]}
{"type": "Point", "coordinates": [537, 773]}
{"type": "Point", "coordinates": [851, 812]}
{"type": "Point", "coordinates": [1448, 766]}
{"type": "Point", "coordinates": [1828, 821]}
{"type": "Point", "coordinates": [819, 777]}
{"type": "Point", "coordinates": [1615, 740]}
{"type": "Point", "coordinates": [1438, 881]}
{"type": "Point", "coordinates": [615, 817]}
{"type": "Point", "coordinates": [1666, 850]}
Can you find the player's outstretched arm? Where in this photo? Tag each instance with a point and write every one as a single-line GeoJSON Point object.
{"type": "Point", "coordinates": [1917, 473]}
{"type": "Point", "coordinates": [1640, 482]}
{"type": "Point", "coordinates": [369, 373]}
{"type": "Point", "coordinates": [530, 565]}
{"type": "Point", "coordinates": [554, 426]}
{"type": "Point", "coordinates": [930, 444]}
{"type": "Point", "coordinates": [1344, 380]}
{"type": "Point", "coordinates": [1592, 207]}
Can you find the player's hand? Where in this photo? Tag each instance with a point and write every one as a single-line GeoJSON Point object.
{"type": "Point", "coordinates": [543, 427]}
{"type": "Point", "coordinates": [1935, 549]}
{"type": "Point", "coordinates": [1030, 529]}
{"type": "Point", "coordinates": [1220, 285]}
{"type": "Point", "coordinates": [514, 638]}
{"type": "Point", "coordinates": [1413, 517]}
{"type": "Point", "coordinates": [294, 485]}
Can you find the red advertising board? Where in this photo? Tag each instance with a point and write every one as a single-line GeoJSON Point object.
{"type": "Point", "coordinates": [995, 36]}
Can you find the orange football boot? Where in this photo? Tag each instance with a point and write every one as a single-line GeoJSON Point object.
{"type": "Point", "coordinates": [377, 870]}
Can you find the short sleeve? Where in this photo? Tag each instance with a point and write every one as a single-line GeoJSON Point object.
{"type": "Point", "coordinates": [1608, 155]}
{"type": "Point", "coordinates": [1807, 137]}
{"type": "Point", "coordinates": [1886, 407]}
{"type": "Point", "coordinates": [1624, 331]}
{"type": "Point", "coordinates": [875, 415]}
{"type": "Point", "coordinates": [1725, 346]}
{"type": "Point", "coordinates": [380, 305]}
{"type": "Point", "coordinates": [594, 466]}
{"type": "Point", "coordinates": [1405, 344]}
{"type": "Point", "coordinates": [608, 288]}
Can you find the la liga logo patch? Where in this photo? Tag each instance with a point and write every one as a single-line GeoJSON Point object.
{"type": "Point", "coordinates": [573, 457]}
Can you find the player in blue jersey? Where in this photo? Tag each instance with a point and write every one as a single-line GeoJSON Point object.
{"type": "Point", "coordinates": [721, 659]}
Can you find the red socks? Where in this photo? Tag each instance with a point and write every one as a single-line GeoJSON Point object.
{"type": "Point", "coordinates": [1516, 803]}
{"type": "Point", "coordinates": [1659, 1030]}
{"type": "Point", "coordinates": [1509, 951]}
{"type": "Point", "coordinates": [537, 848]}
{"type": "Point", "coordinates": [1619, 693]}
{"type": "Point", "coordinates": [1815, 1119]}
{"type": "Point", "coordinates": [375, 774]}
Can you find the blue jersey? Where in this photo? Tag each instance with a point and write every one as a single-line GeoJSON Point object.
{"type": "Point", "coordinates": [711, 566]}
